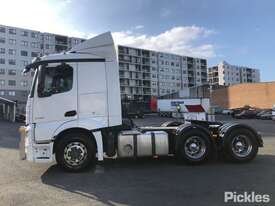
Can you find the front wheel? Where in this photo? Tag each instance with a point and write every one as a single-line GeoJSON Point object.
{"type": "Point", "coordinates": [240, 146]}
{"type": "Point", "coordinates": [75, 152]}
{"type": "Point", "coordinates": [193, 147]}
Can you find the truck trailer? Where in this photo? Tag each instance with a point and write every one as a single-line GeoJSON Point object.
{"type": "Point", "coordinates": [166, 107]}
{"type": "Point", "coordinates": [73, 116]}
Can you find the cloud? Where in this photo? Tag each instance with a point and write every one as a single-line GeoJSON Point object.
{"type": "Point", "coordinates": [183, 40]}
{"type": "Point", "coordinates": [139, 27]}
{"type": "Point", "coordinates": [41, 15]}
{"type": "Point", "coordinates": [50, 16]}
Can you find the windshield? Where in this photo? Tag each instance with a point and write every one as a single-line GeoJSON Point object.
{"type": "Point", "coordinates": [53, 80]}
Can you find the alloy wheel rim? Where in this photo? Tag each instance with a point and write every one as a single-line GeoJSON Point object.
{"type": "Point", "coordinates": [241, 146]}
{"type": "Point", "coordinates": [75, 153]}
{"type": "Point", "coordinates": [195, 147]}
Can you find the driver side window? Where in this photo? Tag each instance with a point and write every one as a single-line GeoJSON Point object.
{"type": "Point", "coordinates": [55, 80]}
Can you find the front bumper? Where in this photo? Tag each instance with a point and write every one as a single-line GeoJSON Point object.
{"type": "Point", "coordinates": [30, 150]}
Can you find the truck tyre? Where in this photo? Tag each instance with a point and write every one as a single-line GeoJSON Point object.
{"type": "Point", "coordinates": [76, 152]}
{"type": "Point", "coordinates": [193, 147]}
{"type": "Point", "coordinates": [240, 146]}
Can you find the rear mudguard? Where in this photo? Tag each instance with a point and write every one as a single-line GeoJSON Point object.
{"type": "Point", "coordinates": [184, 128]}
{"type": "Point", "coordinates": [227, 128]}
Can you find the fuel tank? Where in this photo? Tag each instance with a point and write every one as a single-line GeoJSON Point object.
{"type": "Point", "coordinates": [137, 144]}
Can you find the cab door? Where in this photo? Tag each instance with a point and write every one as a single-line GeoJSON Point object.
{"type": "Point", "coordinates": [55, 99]}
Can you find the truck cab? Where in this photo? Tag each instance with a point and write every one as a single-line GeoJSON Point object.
{"type": "Point", "coordinates": [74, 117]}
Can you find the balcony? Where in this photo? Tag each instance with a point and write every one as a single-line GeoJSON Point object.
{"type": "Point", "coordinates": [60, 48]}
{"type": "Point", "coordinates": [61, 40]}
{"type": "Point", "coordinates": [145, 53]}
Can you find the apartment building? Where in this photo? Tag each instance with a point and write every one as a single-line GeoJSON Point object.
{"type": "Point", "coordinates": [227, 74]}
{"type": "Point", "coordinates": [17, 49]}
{"type": "Point", "coordinates": [146, 73]}
{"type": "Point", "coordinates": [143, 73]}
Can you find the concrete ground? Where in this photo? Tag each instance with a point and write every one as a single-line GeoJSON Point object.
{"type": "Point", "coordinates": [126, 182]}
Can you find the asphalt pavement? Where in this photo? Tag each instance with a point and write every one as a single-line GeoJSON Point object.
{"type": "Point", "coordinates": [140, 182]}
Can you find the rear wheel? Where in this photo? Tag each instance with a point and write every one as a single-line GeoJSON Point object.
{"type": "Point", "coordinates": [76, 152]}
{"type": "Point", "coordinates": [193, 147]}
{"type": "Point", "coordinates": [240, 146]}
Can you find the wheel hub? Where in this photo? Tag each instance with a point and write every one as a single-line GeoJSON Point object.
{"type": "Point", "coordinates": [241, 146]}
{"type": "Point", "coordinates": [75, 153]}
{"type": "Point", "coordinates": [195, 147]}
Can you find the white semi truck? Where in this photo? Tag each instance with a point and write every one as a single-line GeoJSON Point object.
{"type": "Point", "coordinates": [74, 117]}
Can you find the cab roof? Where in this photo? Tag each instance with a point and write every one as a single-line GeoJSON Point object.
{"type": "Point", "coordinates": [99, 48]}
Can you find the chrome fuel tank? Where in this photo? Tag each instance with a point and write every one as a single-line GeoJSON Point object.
{"type": "Point", "coordinates": [136, 144]}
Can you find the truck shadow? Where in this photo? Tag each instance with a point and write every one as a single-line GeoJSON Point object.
{"type": "Point", "coordinates": [162, 181]}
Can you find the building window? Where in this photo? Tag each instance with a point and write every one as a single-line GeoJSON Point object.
{"type": "Point", "coordinates": [2, 93]}
{"type": "Point", "coordinates": [12, 41]}
{"type": "Point", "coordinates": [2, 29]}
{"type": "Point", "coordinates": [2, 82]}
{"type": "Point", "coordinates": [12, 51]}
{"type": "Point", "coordinates": [2, 71]}
{"type": "Point", "coordinates": [24, 53]}
{"type": "Point", "coordinates": [34, 54]}
{"type": "Point", "coordinates": [12, 83]}
{"type": "Point", "coordinates": [2, 40]}
{"type": "Point", "coordinates": [12, 62]}
{"type": "Point", "coordinates": [2, 61]}
{"type": "Point", "coordinates": [12, 72]}
{"type": "Point", "coordinates": [24, 83]}
{"type": "Point", "coordinates": [12, 31]}
{"type": "Point", "coordinates": [24, 43]}
{"type": "Point", "coordinates": [24, 63]}
{"type": "Point", "coordinates": [2, 51]}
{"type": "Point", "coordinates": [11, 93]}
{"type": "Point", "coordinates": [34, 35]}
{"type": "Point", "coordinates": [24, 33]}
{"type": "Point", "coordinates": [34, 44]}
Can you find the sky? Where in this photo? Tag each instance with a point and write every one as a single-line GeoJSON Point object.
{"type": "Point", "coordinates": [241, 32]}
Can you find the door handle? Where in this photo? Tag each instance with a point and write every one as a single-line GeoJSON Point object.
{"type": "Point", "coordinates": [70, 113]}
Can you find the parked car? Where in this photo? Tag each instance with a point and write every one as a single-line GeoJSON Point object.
{"type": "Point", "coordinates": [246, 114]}
{"type": "Point", "coordinates": [20, 118]}
{"type": "Point", "coordinates": [217, 110]}
{"type": "Point", "coordinates": [273, 112]}
{"type": "Point", "coordinates": [260, 113]}
{"type": "Point", "coordinates": [227, 111]}
{"type": "Point", "coordinates": [267, 115]}
{"type": "Point", "coordinates": [236, 111]}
